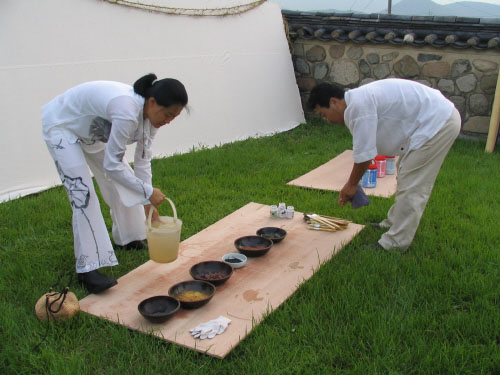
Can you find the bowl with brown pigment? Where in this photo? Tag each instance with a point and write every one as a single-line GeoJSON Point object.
{"type": "Point", "coordinates": [159, 309]}
{"type": "Point", "coordinates": [253, 246]}
{"type": "Point", "coordinates": [192, 293]}
{"type": "Point", "coordinates": [213, 271]}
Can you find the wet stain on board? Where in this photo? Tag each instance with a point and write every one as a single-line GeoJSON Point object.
{"type": "Point", "coordinates": [252, 295]}
{"type": "Point", "coordinates": [182, 314]}
{"type": "Point", "coordinates": [295, 265]}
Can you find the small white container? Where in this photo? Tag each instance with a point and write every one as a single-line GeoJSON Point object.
{"type": "Point", "coordinates": [282, 210]}
{"type": "Point", "coordinates": [290, 210]}
{"type": "Point", "coordinates": [229, 259]}
{"type": "Point", "coordinates": [273, 211]}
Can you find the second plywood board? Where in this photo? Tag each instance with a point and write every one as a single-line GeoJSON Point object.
{"type": "Point", "coordinates": [334, 174]}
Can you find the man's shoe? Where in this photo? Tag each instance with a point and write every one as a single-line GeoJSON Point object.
{"type": "Point", "coordinates": [377, 246]}
{"type": "Point", "coordinates": [373, 246]}
{"type": "Point", "coordinates": [134, 245]}
{"type": "Point", "coordinates": [96, 282]}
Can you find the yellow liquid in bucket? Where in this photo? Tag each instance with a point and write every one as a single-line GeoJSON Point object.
{"type": "Point", "coordinates": [163, 240]}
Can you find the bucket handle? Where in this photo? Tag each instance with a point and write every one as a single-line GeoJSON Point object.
{"type": "Point", "coordinates": [154, 208]}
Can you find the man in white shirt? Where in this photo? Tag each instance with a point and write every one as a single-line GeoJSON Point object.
{"type": "Point", "coordinates": [393, 117]}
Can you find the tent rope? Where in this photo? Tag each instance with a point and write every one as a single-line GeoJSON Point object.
{"type": "Point", "coordinates": [233, 10]}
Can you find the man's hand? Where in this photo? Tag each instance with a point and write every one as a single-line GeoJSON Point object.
{"type": "Point", "coordinates": [351, 186]}
{"type": "Point", "coordinates": [347, 193]}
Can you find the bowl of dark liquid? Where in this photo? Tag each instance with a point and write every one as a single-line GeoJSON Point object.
{"type": "Point", "coordinates": [159, 309]}
{"type": "Point", "coordinates": [275, 234]}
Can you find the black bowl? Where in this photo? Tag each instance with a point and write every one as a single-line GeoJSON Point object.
{"type": "Point", "coordinates": [159, 309]}
{"type": "Point", "coordinates": [213, 271]}
{"type": "Point", "coordinates": [253, 246]}
{"type": "Point", "coordinates": [275, 234]}
{"type": "Point", "coordinates": [201, 286]}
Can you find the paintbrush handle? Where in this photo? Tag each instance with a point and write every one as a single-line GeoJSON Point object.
{"type": "Point", "coordinates": [325, 222]}
{"type": "Point", "coordinates": [323, 229]}
{"type": "Point", "coordinates": [339, 219]}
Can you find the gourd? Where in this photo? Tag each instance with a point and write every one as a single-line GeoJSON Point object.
{"type": "Point", "coordinates": [57, 306]}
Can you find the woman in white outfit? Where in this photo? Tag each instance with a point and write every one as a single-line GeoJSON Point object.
{"type": "Point", "coordinates": [393, 117]}
{"type": "Point", "coordinates": [90, 125]}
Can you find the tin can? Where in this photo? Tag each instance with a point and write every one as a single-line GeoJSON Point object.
{"type": "Point", "coordinates": [369, 179]}
{"type": "Point", "coordinates": [282, 210]}
{"type": "Point", "coordinates": [390, 167]}
{"type": "Point", "coordinates": [380, 162]}
{"type": "Point", "coordinates": [290, 210]}
{"type": "Point", "coordinates": [273, 211]}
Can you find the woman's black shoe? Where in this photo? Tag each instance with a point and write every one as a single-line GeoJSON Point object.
{"type": "Point", "coordinates": [96, 282]}
{"type": "Point", "coordinates": [134, 245]}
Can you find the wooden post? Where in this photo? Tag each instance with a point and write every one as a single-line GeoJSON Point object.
{"type": "Point", "coordinates": [495, 113]}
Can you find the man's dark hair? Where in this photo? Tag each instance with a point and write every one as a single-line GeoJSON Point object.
{"type": "Point", "coordinates": [321, 94]}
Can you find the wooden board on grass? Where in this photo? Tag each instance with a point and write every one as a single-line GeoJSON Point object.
{"type": "Point", "coordinates": [334, 174]}
{"type": "Point", "coordinates": [252, 291]}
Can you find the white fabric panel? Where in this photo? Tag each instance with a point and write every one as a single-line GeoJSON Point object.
{"type": "Point", "coordinates": [237, 71]}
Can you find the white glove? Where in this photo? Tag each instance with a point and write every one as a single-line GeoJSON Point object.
{"type": "Point", "coordinates": [210, 329]}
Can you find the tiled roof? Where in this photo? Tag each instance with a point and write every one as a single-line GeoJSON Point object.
{"type": "Point", "coordinates": [457, 32]}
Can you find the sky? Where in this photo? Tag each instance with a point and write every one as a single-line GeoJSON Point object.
{"type": "Point", "coordinates": [445, 2]}
{"type": "Point", "coordinates": [364, 6]}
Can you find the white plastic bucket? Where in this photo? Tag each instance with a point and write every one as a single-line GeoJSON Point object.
{"type": "Point", "coordinates": [163, 236]}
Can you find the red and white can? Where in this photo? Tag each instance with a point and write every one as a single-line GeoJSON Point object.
{"type": "Point", "coordinates": [380, 162]}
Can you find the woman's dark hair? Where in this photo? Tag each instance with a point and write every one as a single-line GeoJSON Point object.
{"type": "Point", "coordinates": [166, 92]}
{"type": "Point", "coordinates": [321, 94]}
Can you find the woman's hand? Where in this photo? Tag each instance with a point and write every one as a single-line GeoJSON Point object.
{"type": "Point", "coordinates": [155, 216]}
{"type": "Point", "coordinates": [157, 197]}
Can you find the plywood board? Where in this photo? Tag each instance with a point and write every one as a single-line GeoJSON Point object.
{"type": "Point", "coordinates": [252, 291]}
{"type": "Point", "coordinates": [334, 174]}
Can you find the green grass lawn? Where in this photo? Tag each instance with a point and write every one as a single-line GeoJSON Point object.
{"type": "Point", "coordinates": [433, 310]}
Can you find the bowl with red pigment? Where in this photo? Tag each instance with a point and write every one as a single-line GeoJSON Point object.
{"type": "Point", "coordinates": [253, 246]}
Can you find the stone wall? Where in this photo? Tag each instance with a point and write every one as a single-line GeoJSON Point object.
{"type": "Point", "coordinates": [467, 77]}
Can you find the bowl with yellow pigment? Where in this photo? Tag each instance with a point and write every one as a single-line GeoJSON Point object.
{"type": "Point", "coordinates": [192, 293]}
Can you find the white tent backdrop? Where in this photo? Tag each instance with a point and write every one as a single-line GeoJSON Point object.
{"type": "Point", "coordinates": [237, 71]}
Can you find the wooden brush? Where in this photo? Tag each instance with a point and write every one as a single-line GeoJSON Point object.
{"type": "Point", "coordinates": [323, 222]}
